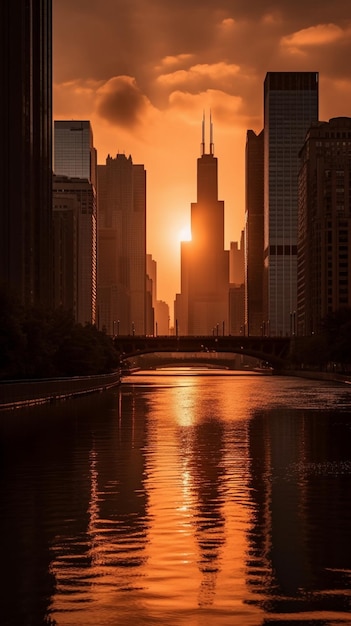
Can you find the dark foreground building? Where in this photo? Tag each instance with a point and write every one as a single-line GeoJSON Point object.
{"type": "Point", "coordinates": [324, 236]}
{"type": "Point", "coordinates": [25, 149]}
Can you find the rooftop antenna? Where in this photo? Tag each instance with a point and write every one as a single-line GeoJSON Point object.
{"type": "Point", "coordinates": [211, 134]}
{"type": "Point", "coordinates": [203, 134]}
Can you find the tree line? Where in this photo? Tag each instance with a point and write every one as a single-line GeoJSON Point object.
{"type": "Point", "coordinates": [49, 343]}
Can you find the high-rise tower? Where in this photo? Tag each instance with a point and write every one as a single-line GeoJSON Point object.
{"type": "Point", "coordinates": [290, 107]}
{"type": "Point", "coordinates": [25, 149]}
{"type": "Point", "coordinates": [255, 323]}
{"type": "Point", "coordinates": [75, 166]}
{"type": "Point", "coordinates": [122, 246]}
{"type": "Point", "coordinates": [74, 152]}
{"type": "Point", "coordinates": [324, 256]}
{"type": "Point", "coordinates": [202, 307]}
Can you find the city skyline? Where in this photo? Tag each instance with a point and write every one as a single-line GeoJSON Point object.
{"type": "Point", "coordinates": [145, 94]}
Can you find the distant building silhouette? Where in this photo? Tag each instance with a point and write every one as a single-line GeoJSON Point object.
{"type": "Point", "coordinates": [255, 322]}
{"type": "Point", "coordinates": [202, 305]}
{"type": "Point", "coordinates": [122, 292]}
{"type": "Point", "coordinates": [236, 309]}
{"type": "Point", "coordinates": [324, 258]}
{"type": "Point", "coordinates": [290, 107]}
{"type": "Point", "coordinates": [25, 149]}
{"type": "Point", "coordinates": [159, 307]}
{"type": "Point", "coordinates": [236, 287]}
{"type": "Point", "coordinates": [237, 261]}
{"type": "Point", "coordinates": [75, 166]}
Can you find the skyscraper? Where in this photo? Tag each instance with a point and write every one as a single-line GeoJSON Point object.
{"type": "Point", "coordinates": [290, 107]}
{"type": "Point", "coordinates": [324, 256]}
{"type": "Point", "coordinates": [75, 247]}
{"type": "Point", "coordinates": [255, 323]}
{"type": "Point", "coordinates": [75, 166]}
{"type": "Point", "coordinates": [122, 246]}
{"type": "Point", "coordinates": [74, 152]}
{"type": "Point", "coordinates": [202, 307]}
{"type": "Point", "coordinates": [25, 149]}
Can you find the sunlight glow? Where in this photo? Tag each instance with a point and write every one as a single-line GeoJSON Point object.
{"type": "Point", "coordinates": [185, 233]}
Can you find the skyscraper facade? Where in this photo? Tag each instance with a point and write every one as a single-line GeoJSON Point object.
{"type": "Point", "coordinates": [290, 107]}
{"type": "Point", "coordinates": [75, 247]}
{"type": "Point", "coordinates": [25, 149]}
{"type": "Point", "coordinates": [202, 307]}
{"type": "Point", "coordinates": [324, 236]}
{"type": "Point", "coordinates": [74, 152]}
{"type": "Point", "coordinates": [255, 323]}
{"type": "Point", "coordinates": [122, 246]}
{"type": "Point", "coordinates": [75, 166]}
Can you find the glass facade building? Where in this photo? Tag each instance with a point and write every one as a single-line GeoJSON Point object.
{"type": "Point", "coordinates": [75, 166]}
{"type": "Point", "coordinates": [290, 107]}
{"type": "Point", "coordinates": [255, 323]}
{"type": "Point", "coordinates": [74, 152]}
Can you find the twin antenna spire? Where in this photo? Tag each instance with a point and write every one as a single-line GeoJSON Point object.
{"type": "Point", "coordinates": [203, 135]}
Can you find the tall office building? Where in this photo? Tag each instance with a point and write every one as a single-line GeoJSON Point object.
{"type": "Point", "coordinates": [25, 149]}
{"type": "Point", "coordinates": [290, 107]}
{"type": "Point", "coordinates": [202, 306]}
{"type": "Point", "coordinates": [122, 246]}
{"type": "Point", "coordinates": [75, 166]}
{"type": "Point", "coordinates": [324, 255]}
{"type": "Point", "coordinates": [75, 247]}
{"type": "Point", "coordinates": [255, 323]}
{"type": "Point", "coordinates": [74, 152]}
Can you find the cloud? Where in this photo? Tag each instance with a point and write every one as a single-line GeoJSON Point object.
{"type": "Point", "coordinates": [173, 61]}
{"type": "Point", "coordinates": [322, 34]}
{"type": "Point", "coordinates": [121, 102]}
{"type": "Point", "coordinates": [200, 74]}
{"type": "Point", "coordinates": [75, 95]}
{"type": "Point", "coordinates": [225, 108]}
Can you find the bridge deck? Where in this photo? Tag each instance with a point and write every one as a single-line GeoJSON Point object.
{"type": "Point", "coordinates": [274, 350]}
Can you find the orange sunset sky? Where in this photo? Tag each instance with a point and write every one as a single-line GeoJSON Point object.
{"type": "Point", "coordinates": [143, 72]}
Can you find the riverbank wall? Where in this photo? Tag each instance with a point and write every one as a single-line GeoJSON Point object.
{"type": "Point", "coordinates": [314, 375]}
{"type": "Point", "coordinates": [16, 394]}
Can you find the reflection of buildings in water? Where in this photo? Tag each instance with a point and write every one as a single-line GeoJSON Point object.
{"type": "Point", "coordinates": [291, 532]}
{"type": "Point", "coordinates": [277, 536]}
{"type": "Point", "coordinates": [118, 500]}
{"type": "Point", "coordinates": [24, 516]}
{"type": "Point", "coordinates": [202, 445]}
{"type": "Point", "coordinates": [104, 555]}
{"type": "Point", "coordinates": [48, 473]}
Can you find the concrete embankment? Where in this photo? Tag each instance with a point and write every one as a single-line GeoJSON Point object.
{"type": "Point", "coordinates": [17, 394]}
{"type": "Point", "coordinates": [314, 375]}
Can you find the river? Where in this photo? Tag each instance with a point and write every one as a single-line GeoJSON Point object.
{"type": "Point", "coordinates": [181, 498]}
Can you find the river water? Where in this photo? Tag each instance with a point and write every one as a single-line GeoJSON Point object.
{"type": "Point", "coordinates": [186, 498]}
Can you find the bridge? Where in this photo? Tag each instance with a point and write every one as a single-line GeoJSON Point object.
{"type": "Point", "coordinates": [273, 350]}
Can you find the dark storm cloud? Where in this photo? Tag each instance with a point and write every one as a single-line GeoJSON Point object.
{"type": "Point", "coordinates": [120, 102]}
